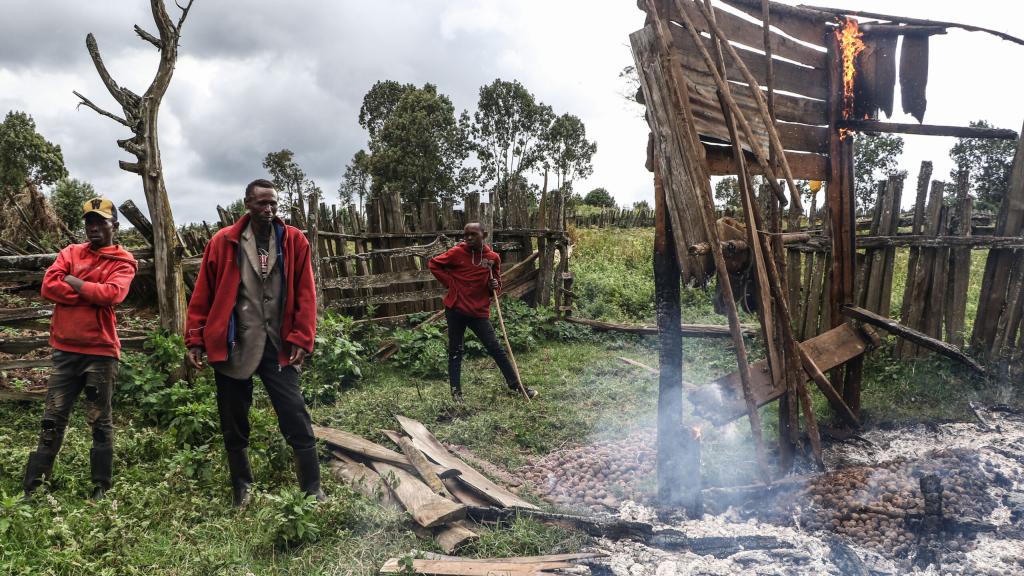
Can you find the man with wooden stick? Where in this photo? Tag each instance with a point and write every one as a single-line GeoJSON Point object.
{"type": "Point", "coordinates": [84, 283]}
{"type": "Point", "coordinates": [471, 271]}
{"type": "Point", "coordinates": [253, 311]}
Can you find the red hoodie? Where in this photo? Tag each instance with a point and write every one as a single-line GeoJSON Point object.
{"type": "Point", "coordinates": [461, 272]}
{"type": "Point", "coordinates": [83, 322]}
{"type": "Point", "coordinates": [210, 325]}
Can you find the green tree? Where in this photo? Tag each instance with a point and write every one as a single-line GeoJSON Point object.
{"type": "Point", "coordinates": [727, 193]}
{"type": "Point", "coordinates": [875, 157]}
{"type": "Point", "coordinates": [355, 182]}
{"type": "Point", "coordinates": [988, 162]}
{"type": "Point", "coordinates": [567, 150]}
{"type": "Point", "coordinates": [379, 103]}
{"type": "Point", "coordinates": [26, 158]}
{"type": "Point", "coordinates": [67, 199]}
{"type": "Point", "coordinates": [641, 205]}
{"type": "Point", "coordinates": [599, 197]}
{"type": "Point", "coordinates": [422, 147]}
{"type": "Point", "coordinates": [287, 176]}
{"type": "Point", "coordinates": [508, 129]}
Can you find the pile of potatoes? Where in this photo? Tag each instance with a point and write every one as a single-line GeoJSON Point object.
{"type": "Point", "coordinates": [597, 477]}
{"type": "Point", "coordinates": [870, 506]}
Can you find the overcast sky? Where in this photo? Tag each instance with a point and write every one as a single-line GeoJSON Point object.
{"type": "Point", "coordinates": [260, 75]}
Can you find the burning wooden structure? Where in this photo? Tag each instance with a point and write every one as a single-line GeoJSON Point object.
{"type": "Point", "coordinates": [755, 87]}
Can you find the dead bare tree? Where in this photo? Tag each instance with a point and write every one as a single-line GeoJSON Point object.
{"type": "Point", "coordinates": [140, 116]}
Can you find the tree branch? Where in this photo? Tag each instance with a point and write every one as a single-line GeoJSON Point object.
{"type": "Point", "coordinates": [123, 97]}
{"type": "Point", "coordinates": [184, 12]}
{"type": "Point", "coordinates": [149, 37]}
{"type": "Point", "coordinates": [133, 167]}
{"type": "Point", "coordinates": [88, 103]}
{"type": "Point", "coordinates": [131, 146]}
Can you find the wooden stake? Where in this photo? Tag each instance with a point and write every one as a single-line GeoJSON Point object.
{"type": "Point", "coordinates": [508, 345]}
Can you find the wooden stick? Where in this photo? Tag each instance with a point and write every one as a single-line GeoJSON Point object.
{"type": "Point", "coordinates": [912, 21]}
{"type": "Point", "coordinates": [689, 143]}
{"type": "Point", "coordinates": [640, 365]}
{"type": "Point", "coordinates": [919, 338]}
{"type": "Point", "coordinates": [928, 129]}
{"type": "Point", "coordinates": [508, 345]}
{"type": "Point", "coordinates": [757, 256]}
{"type": "Point", "coordinates": [419, 462]}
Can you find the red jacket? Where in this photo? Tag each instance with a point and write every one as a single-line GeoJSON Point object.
{"type": "Point", "coordinates": [210, 322]}
{"type": "Point", "coordinates": [461, 272]}
{"type": "Point", "coordinates": [84, 322]}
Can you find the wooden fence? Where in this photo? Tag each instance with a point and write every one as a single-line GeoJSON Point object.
{"type": "Point", "coordinates": [940, 232]}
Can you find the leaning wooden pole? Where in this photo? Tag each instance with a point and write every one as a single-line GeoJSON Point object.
{"type": "Point", "coordinates": [689, 143]}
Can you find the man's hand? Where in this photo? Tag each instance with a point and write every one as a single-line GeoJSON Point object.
{"type": "Point", "coordinates": [494, 284]}
{"type": "Point", "coordinates": [74, 282]}
{"type": "Point", "coordinates": [297, 356]}
{"type": "Point", "coordinates": [195, 357]}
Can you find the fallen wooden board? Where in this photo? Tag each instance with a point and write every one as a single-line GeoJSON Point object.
{"type": "Point", "coordinates": [23, 395]}
{"type": "Point", "coordinates": [371, 450]}
{"type": "Point", "coordinates": [463, 494]}
{"type": "Point", "coordinates": [424, 469]}
{"type": "Point", "coordinates": [362, 479]}
{"type": "Point", "coordinates": [697, 330]}
{"type": "Point", "coordinates": [425, 507]}
{"type": "Point", "coordinates": [721, 401]}
{"type": "Point", "coordinates": [467, 567]}
{"type": "Point", "coordinates": [426, 442]}
{"type": "Point", "coordinates": [923, 340]}
{"type": "Point", "coordinates": [34, 363]}
{"type": "Point", "coordinates": [454, 536]}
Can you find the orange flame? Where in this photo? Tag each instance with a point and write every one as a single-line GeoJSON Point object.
{"type": "Point", "coordinates": [850, 44]}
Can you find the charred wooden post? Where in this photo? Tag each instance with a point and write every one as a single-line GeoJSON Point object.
{"type": "Point", "coordinates": [140, 117]}
{"type": "Point", "coordinates": [678, 464]}
{"type": "Point", "coordinates": [137, 219]}
{"type": "Point", "coordinates": [842, 213]}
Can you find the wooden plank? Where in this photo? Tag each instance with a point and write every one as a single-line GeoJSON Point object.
{"type": "Point", "coordinates": [788, 77]}
{"type": "Point", "coordinates": [696, 330]}
{"type": "Point", "coordinates": [914, 74]}
{"type": "Point", "coordinates": [889, 255]}
{"type": "Point", "coordinates": [358, 445]}
{"type": "Point", "coordinates": [397, 298]}
{"type": "Point", "coordinates": [362, 479]}
{"type": "Point", "coordinates": [21, 316]}
{"type": "Point", "coordinates": [929, 129]}
{"type": "Point", "coordinates": [804, 166]}
{"type": "Point", "coordinates": [425, 441]}
{"type": "Point", "coordinates": [998, 267]}
{"type": "Point", "coordinates": [749, 34]}
{"type": "Point", "coordinates": [937, 295]}
{"type": "Point", "coordinates": [960, 265]}
{"type": "Point", "coordinates": [923, 340]}
{"type": "Point", "coordinates": [721, 401]}
{"type": "Point", "coordinates": [425, 507]}
{"type": "Point", "coordinates": [419, 462]}
{"type": "Point", "coordinates": [462, 494]}
{"type": "Point", "coordinates": [19, 364]}
{"type": "Point", "coordinates": [680, 187]}
{"type": "Point", "coordinates": [22, 395]}
{"type": "Point", "coordinates": [454, 536]}
{"type": "Point", "coordinates": [472, 567]}
{"type": "Point", "coordinates": [380, 280]}
{"type": "Point", "coordinates": [923, 275]}
{"type": "Point", "coordinates": [800, 24]}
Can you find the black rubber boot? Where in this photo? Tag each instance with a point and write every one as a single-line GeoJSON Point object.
{"type": "Point", "coordinates": [39, 466]}
{"type": "Point", "coordinates": [241, 477]}
{"type": "Point", "coordinates": [307, 466]}
{"type": "Point", "coordinates": [101, 466]}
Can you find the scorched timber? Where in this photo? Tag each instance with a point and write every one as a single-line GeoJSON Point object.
{"type": "Point", "coordinates": [923, 340]}
{"type": "Point", "coordinates": [722, 401]}
{"type": "Point", "coordinates": [929, 129]}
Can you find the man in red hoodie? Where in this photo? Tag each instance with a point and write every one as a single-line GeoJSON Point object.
{"type": "Point", "coordinates": [253, 311]}
{"type": "Point", "coordinates": [471, 271]}
{"type": "Point", "coordinates": [84, 283]}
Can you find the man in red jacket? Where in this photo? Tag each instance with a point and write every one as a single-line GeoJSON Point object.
{"type": "Point", "coordinates": [253, 311]}
{"type": "Point", "coordinates": [471, 271]}
{"type": "Point", "coordinates": [84, 284]}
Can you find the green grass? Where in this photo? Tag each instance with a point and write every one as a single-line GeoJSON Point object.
{"type": "Point", "coordinates": [168, 513]}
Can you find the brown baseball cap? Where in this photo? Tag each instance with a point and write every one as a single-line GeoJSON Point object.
{"type": "Point", "coordinates": [101, 206]}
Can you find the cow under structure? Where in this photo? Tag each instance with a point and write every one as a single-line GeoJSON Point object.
{"type": "Point", "coordinates": [753, 87]}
